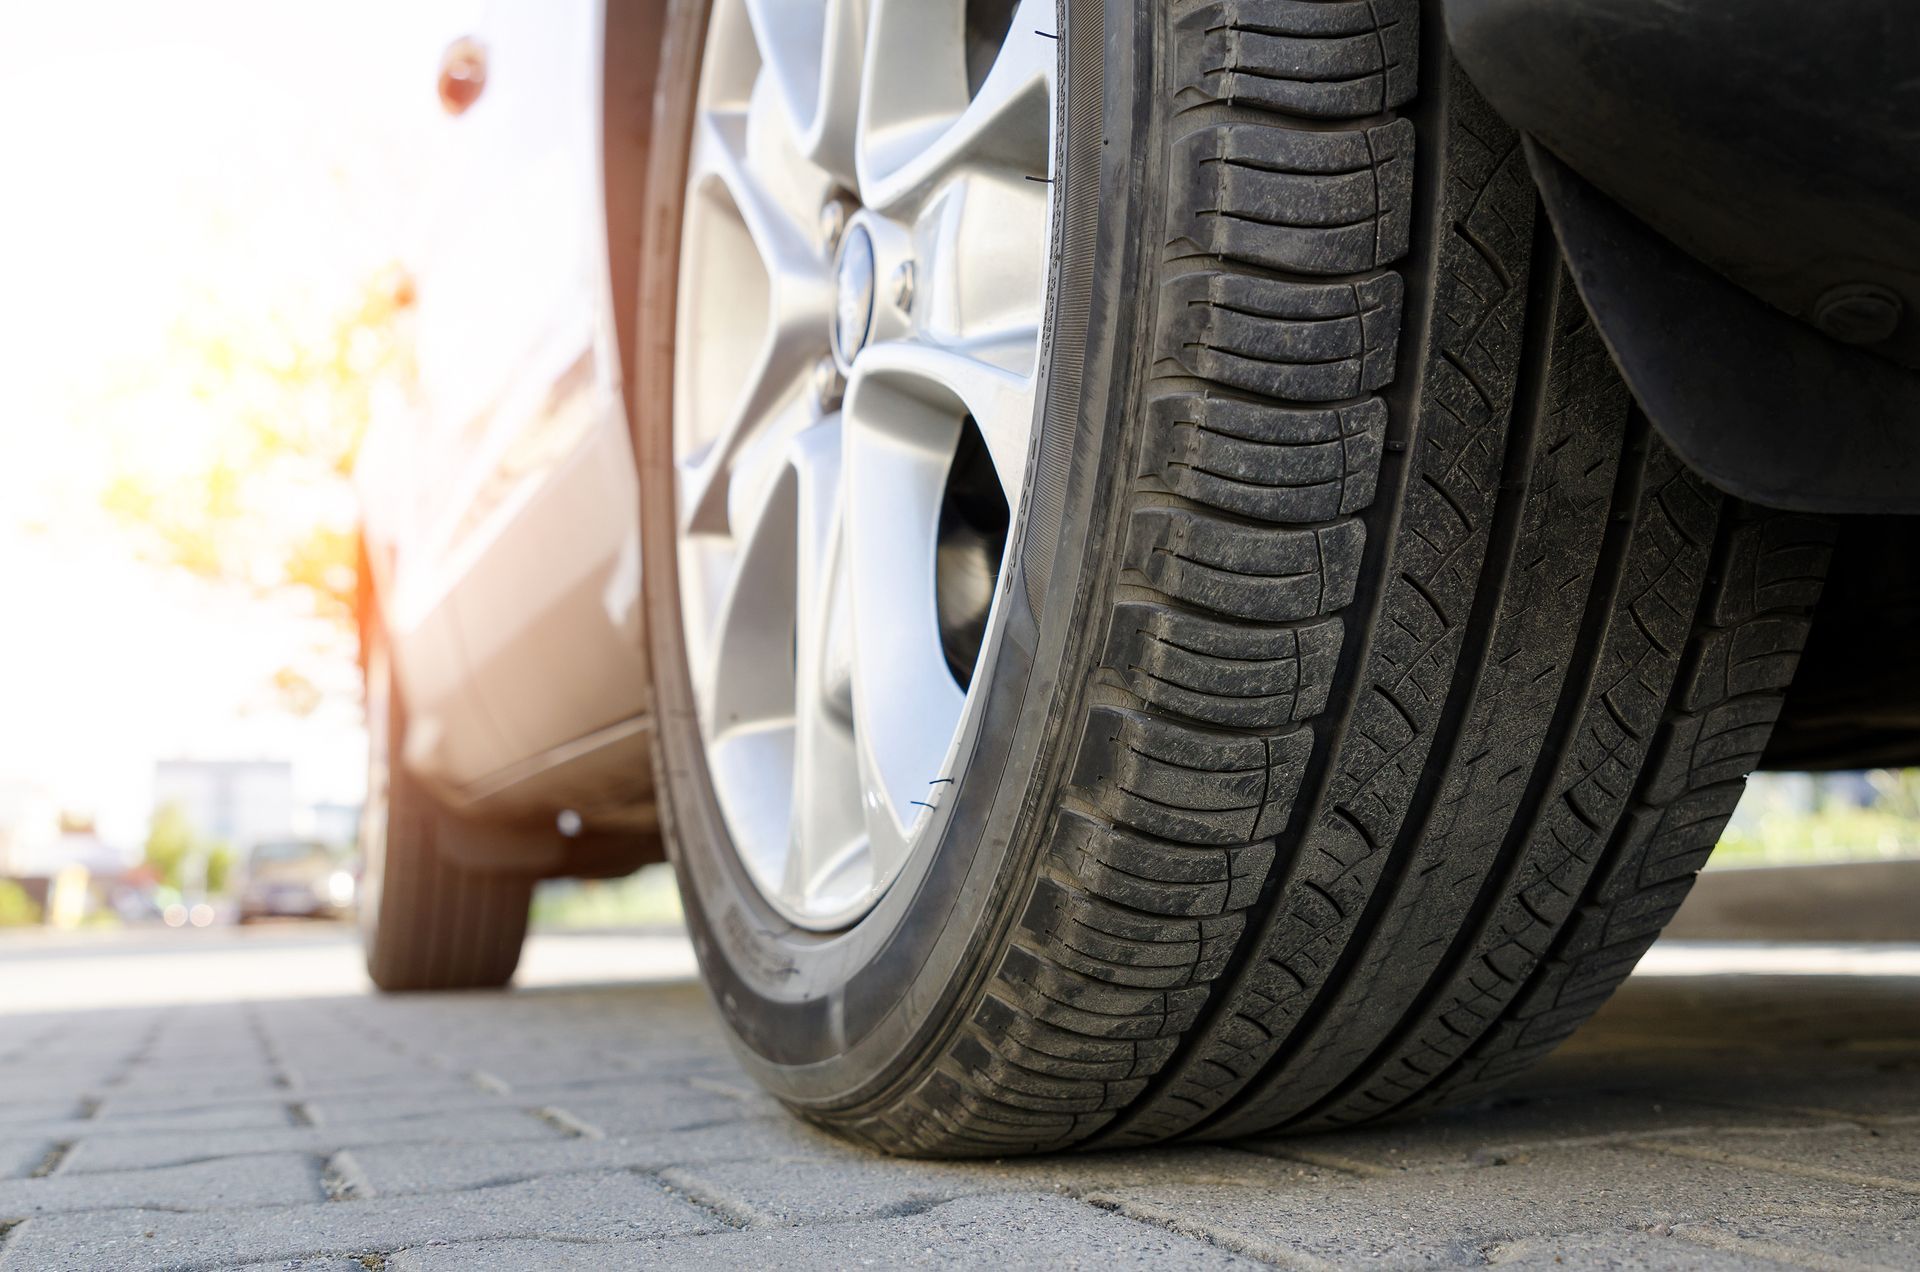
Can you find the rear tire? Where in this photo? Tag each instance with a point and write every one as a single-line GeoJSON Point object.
{"type": "Point", "coordinates": [425, 922]}
{"type": "Point", "coordinates": [1382, 680]}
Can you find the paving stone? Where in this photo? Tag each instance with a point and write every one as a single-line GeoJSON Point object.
{"type": "Point", "coordinates": [1621, 1251]}
{"type": "Point", "coordinates": [1513, 1124]}
{"type": "Point", "coordinates": [179, 1090]}
{"type": "Point", "coordinates": [261, 1109]}
{"type": "Point", "coordinates": [1443, 1218]}
{"type": "Point", "coordinates": [1882, 1158]}
{"type": "Point", "coordinates": [655, 1109]}
{"type": "Point", "coordinates": [1824, 1239]}
{"type": "Point", "coordinates": [604, 1207]}
{"type": "Point", "coordinates": [13, 1113]}
{"type": "Point", "coordinates": [451, 1104]}
{"type": "Point", "coordinates": [781, 1190]}
{"type": "Point", "coordinates": [53, 1088]}
{"type": "Point", "coordinates": [181, 1123]}
{"type": "Point", "coordinates": [1008, 1232]}
{"type": "Point", "coordinates": [426, 1168]}
{"type": "Point", "coordinates": [1847, 1046]}
{"type": "Point", "coordinates": [20, 1155]}
{"type": "Point", "coordinates": [270, 1179]}
{"type": "Point", "coordinates": [343, 1082]}
{"type": "Point", "coordinates": [169, 1148]}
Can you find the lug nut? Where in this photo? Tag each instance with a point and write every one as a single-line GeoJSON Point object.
{"type": "Point", "coordinates": [833, 223]}
{"type": "Point", "coordinates": [902, 285]}
{"type": "Point", "coordinates": [829, 386]}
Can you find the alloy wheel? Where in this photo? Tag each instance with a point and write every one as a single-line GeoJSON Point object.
{"type": "Point", "coordinates": [863, 285]}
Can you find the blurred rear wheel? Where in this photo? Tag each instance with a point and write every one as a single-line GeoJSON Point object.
{"type": "Point", "coordinates": [426, 923]}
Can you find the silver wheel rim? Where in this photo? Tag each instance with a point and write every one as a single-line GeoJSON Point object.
{"type": "Point", "coordinates": [863, 281]}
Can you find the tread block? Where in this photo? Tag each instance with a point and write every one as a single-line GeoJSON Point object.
{"type": "Point", "coordinates": [1092, 1057]}
{"type": "Point", "coordinates": [1306, 342]}
{"type": "Point", "coordinates": [1154, 877]}
{"type": "Point", "coordinates": [1286, 464]}
{"type": "Point", "coordinates": [1068, 999]}
{"type": "Point", "coordinates": [1189, 784]}
{"type": "Point", "coordinates": [1779, 563]}
{"type": "Point", "coordinates": [1312, 202]}
{"type": "Point", "coordinates": [1220, 672]}
{"type": "Point", "coordinates": [1755, 657]}
{"type": "Point", "coordinates": [1301, 57]}
{"type": "Point", "coordinates": [1015, 1084]}
{"type": "Point", "coordinates": [1244, 571]}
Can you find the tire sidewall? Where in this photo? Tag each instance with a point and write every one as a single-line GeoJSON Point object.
{"type": "Point", "coordinates": [830, 1023]}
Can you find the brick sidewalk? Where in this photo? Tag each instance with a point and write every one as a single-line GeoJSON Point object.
{"type": "Point", "coordinates": [1699, 1123]}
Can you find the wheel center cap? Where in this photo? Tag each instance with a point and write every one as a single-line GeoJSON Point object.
{"type": "Point", "coordinates": [853, 303]}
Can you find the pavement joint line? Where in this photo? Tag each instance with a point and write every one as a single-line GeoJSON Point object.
{"type": "Point", "coordinates": [691, 1189]}
{"type": "Point", "coordinates": [343, 1179]}
{"type": "Point", "coordinates": [1155, 1215]}
{"type": "Point", "coordinates": [56, 1154]}
{"type": "Point", "coordinates": [513, 1180]}
{"type": "Point", "coordinates": [568, 1123]}
{"type": "Point", "coordinates": [1325, 1160]}
{"type": "Point", "coordinates": [1529, 1244]}
{"type": "Point", "coordinates": [1753, 1161]}
{"type": "Point", "coordinates": [700, 1082]}
{"type": "Point", "coordinates": [209, 1159]}
{"type": "Point", "coordinates": [492, 1083]}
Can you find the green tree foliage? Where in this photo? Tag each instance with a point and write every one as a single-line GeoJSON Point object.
{"type": "Point", "coordinates": [231, 449]}
{"type": "Point", "coordinates": [16, 907]}
{"type": "Point", "coordinates": [219, 869]}
{"type": "Point", "coordinates": [172, 843]}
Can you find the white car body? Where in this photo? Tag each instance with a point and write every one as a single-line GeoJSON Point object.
{"type": "Point", "coordinates": [501, 518]}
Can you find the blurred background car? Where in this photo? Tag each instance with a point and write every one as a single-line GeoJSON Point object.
{"type": "Point", "coordinates": [295, 878]}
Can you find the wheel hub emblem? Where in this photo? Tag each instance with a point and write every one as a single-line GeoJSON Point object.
{"type": "Point", "coordinates": [853, 304]}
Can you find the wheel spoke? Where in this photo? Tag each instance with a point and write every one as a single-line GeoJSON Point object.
{"type": "Point", "coordinates": [983, 268]}
{"type": "Point", "coordinates": [776, 198]}
{"type": "Point", "coordinates": [974, 380]}
{"type": "Point", "coordinates": [773, 401]}
{"type": "Point", "coordinates": [797, 299]}
{"type": "Point", "coordinates": [810, 51]}
{"type": "Point", "coordinates": [746, 678]}
{"type": "Point", "coordinates": [826, 864]}
{"type": "Point", "coordinates": [899, 440]}
{"type": "Point", "coordinates": [919, 121]}
{"type": "Point", "coordinates": [750, 767]}
{"type": "Point", "coordinates": [790, 35]}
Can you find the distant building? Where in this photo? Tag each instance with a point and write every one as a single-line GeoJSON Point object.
{"type": "Point", "coordinates": [235, 802]}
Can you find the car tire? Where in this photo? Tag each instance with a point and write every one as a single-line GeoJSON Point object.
{"type": "Point", "coordinates": [426, 923]}
{"type": "Point", "coordinates": [1378, 680]}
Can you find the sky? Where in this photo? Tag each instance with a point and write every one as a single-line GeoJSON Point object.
{"type": "Point", "coordinates": [197, 157]}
